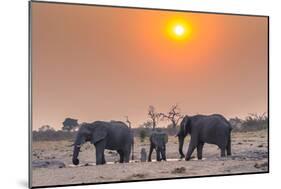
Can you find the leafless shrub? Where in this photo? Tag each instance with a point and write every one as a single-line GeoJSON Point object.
{"type": "Point", "coordinates": [154, 116]}
{"type": "Point", "coordinates": [173, 115]}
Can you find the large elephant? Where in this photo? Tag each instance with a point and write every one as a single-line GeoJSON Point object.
{"type": "Point", "coordinates": [114, 135]}
{"type": "Point", "coordinates": [158, 142]}
{"type": "Point", "coordinates": [212, 129]}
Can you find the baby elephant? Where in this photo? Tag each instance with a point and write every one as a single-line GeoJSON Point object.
{"type": "Point", "coordinates": [143, 155]}
{"type": "Point", "coordinates": [158, 142]}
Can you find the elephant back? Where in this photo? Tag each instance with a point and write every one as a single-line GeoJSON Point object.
{"type": "Point", "coordinates": [118, 123]}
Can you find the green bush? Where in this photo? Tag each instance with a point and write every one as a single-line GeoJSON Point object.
{"type": "Point", "coordinates": [143, 135]}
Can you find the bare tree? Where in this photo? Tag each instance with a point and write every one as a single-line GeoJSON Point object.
{"type": "Point", "coordinates": [174, 115]}
{"type": "Point", "coordinates": [146, 125]}
{"type": "Point", "coordinates": [154, 116]}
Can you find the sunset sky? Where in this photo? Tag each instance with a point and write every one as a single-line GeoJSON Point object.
{"type": "Point", "coordinates": [100, 63]}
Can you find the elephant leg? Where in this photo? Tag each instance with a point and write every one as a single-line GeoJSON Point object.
{"type": "Point", "coordinates": [228, 147]}
{"type": "Point", "coordinates": [200, 150]}
{"type": "Point", "coordinates": [222, 144]}
{"type": "Point", "coordinates": [103, 159]}
{"type": "Point", "coordinates": [228, 150]}
{"type": "Point", "coordinates": [222, 151]}
{"type": "Point", "coordinates": [99, 158]}
{"type": "Point", "coordinates": [121, 154]}
{"type": "Point", "coordinates": [150, 152]}
{"type": "Point", "coordinates": [158, 156]}
{"type": "Point", "coordinates": [100, 146]}
{"type": "Point", "coordinates": [191, 148]}
{"type": "Point", "coordinates": [126, 156]}
{"type": "Point", "coordinates": [163, 154]}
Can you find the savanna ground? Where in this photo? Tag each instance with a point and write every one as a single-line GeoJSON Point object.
{"type": "Point", "coordinates": [249, 154]}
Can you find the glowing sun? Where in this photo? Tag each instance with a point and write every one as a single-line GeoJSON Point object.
{"type": "Point", "coordinates": [179, 29]}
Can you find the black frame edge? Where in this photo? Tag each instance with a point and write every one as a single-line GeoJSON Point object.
{"type": "Point", "coordinates": [29, 95]}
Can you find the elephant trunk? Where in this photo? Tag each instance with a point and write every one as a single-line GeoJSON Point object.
{"type": "Point", "coordinates": [181, 140]}
{"type": "Point", "coordinates": [77, 145]}
{"type": "Point", "coordinates": [76, 151]}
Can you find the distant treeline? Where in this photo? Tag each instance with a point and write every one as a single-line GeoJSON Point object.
{"type": "Point", "coordinates": [253, 122]}
{"type": "Point", "coordinates": [50, 135]}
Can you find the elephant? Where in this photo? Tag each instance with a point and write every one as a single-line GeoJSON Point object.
{"type": "Point", "coordinates": [158, 142]}
{"type": "Point", "coordinates": [114, 135]}
{"type": "Point", "coordinates": [143, 155]}
{"type": "Point", "coordinates": [212, 129]}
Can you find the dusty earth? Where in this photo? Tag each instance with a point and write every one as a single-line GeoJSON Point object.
{"type": "Point", "coordinates": [52, 162]}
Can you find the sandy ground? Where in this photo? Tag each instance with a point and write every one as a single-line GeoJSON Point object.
{"type": "Point", "coordinates": [249, 154]}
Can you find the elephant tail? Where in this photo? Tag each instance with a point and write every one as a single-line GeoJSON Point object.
{"type": "Point", "coordinates": [133, 147]}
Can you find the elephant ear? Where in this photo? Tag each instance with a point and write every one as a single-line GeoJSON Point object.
{"type": "Point", "coordinates": [158, 138]}
{"type": "Point", "coordinates": [182, 129]}
{"type": "Point", "coordinates": [188, 126]}
{"type": "Point", "coordinates": [99, 133]}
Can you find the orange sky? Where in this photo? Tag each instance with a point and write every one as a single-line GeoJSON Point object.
{"type": "Point", "coordinates": [100, 63]}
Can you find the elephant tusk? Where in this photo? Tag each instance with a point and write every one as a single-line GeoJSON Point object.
{"type": "Point", "coordinates": [78, 146]}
